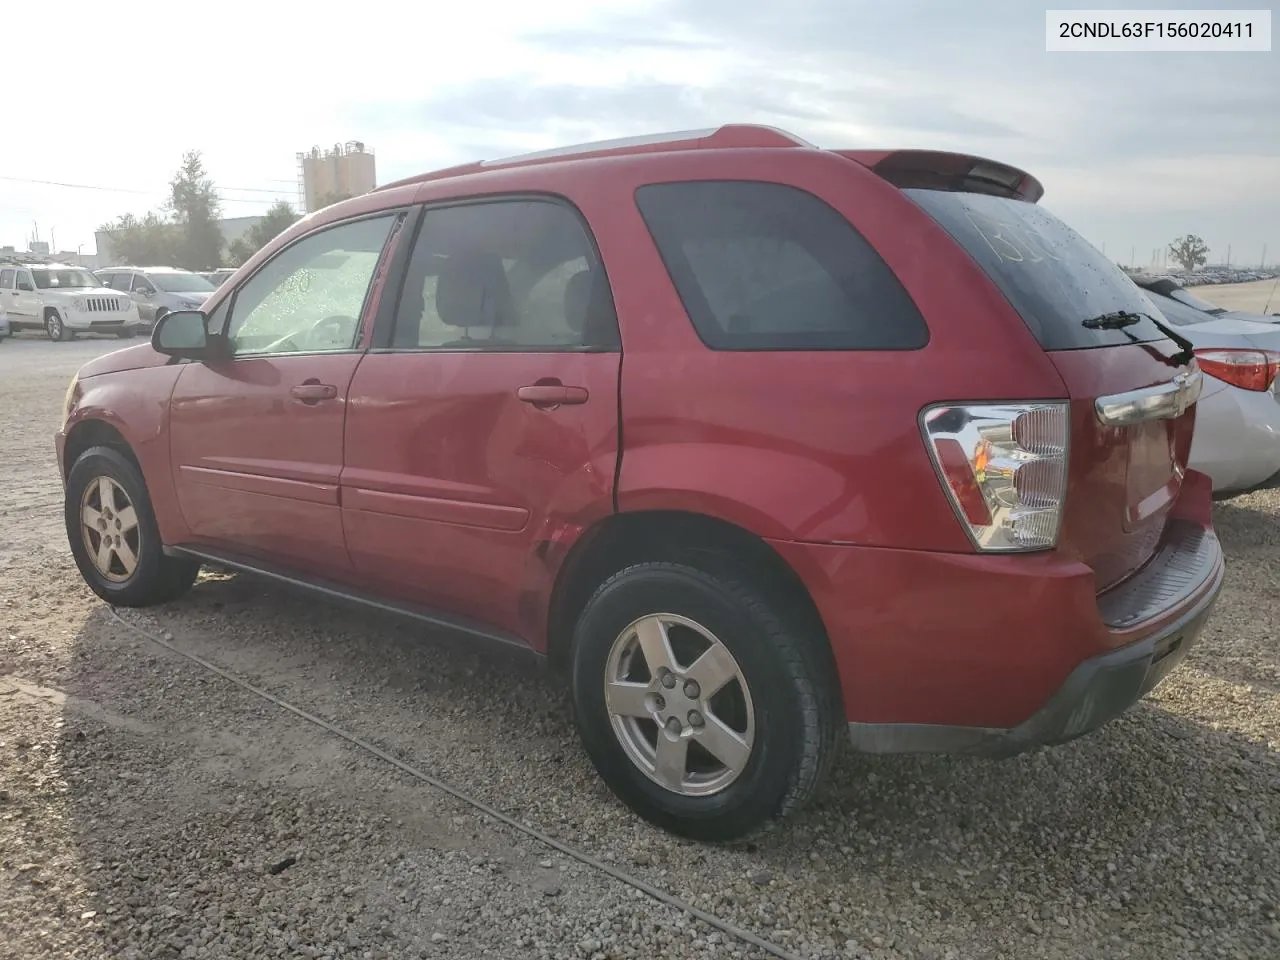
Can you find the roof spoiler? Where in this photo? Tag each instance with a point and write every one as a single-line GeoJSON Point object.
{"type": "Point", "coordinates": [941, 170]}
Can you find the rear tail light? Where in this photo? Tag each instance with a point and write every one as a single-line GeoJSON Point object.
{"type": "Point", "coordinates": [1004, 468]}
{"type": "Point", "coordinates": [1246, 369]}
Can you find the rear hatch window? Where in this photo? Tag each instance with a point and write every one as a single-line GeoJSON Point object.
{"type": "Point", "coordinates": [1048, 272]}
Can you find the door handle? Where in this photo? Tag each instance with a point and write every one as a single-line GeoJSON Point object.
{"type": "Point", "coordinates": [313, 391]}
{"type": "Point", "coordinates": [545, 395]}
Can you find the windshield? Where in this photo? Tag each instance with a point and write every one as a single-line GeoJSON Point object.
{"type": "Point", "coordinates": [1052, 276]}
{"type": "Point", "coordinates": [181, 283]}
{"type": "Point", "coordinates": [64, 279]}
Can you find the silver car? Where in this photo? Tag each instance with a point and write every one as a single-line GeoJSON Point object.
{"type": "Point", "coordinates": [158, 290]}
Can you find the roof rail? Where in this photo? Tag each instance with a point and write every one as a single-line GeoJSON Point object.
{"type": "Point", "coordinates": [728, 136]}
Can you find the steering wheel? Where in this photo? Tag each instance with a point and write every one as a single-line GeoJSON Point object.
{"type": "Point", "coordinates": [343, 331]}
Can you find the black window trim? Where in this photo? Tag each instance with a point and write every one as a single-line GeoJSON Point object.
{"type": "Point", "coordinates": [398, 215]}
{"type": "Point", "coordinates": [389, 309]}
{"type": "Point", "coordinates": [770, 348]}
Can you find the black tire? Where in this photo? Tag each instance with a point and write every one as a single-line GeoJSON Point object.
{"type": "Point", "coordinates": [55, 329]}
{"type": "Point", "coordinates": [125, 334]}
{"type": "Point", "coordinates": [156, 578]}
{"type": "Point", "coordinates": [788, 670]}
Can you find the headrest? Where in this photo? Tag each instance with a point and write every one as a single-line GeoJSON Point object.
{"type": "Point", "coordinates": [472, 291]}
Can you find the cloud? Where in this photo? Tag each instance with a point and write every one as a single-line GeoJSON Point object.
{"type": "Point", "coordinates": [1125, 143]}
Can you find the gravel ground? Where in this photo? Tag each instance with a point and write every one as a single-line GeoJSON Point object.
{"type": "Point", "coordinates": [151, 809]}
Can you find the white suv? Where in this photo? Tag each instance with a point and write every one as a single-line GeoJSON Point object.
{"type": "Point", "coordinates": [62, 301]}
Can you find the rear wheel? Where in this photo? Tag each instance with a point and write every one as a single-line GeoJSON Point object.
{"type": "Point", "coordinates": [702, 707]}
{"type": "Point", "coordinates": [112, 532]}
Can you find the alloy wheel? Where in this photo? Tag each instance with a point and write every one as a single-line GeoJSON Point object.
{"type": "Point", "coordinates": [679, 705]}
{"type": "Point", "coordinates": [109, 524]}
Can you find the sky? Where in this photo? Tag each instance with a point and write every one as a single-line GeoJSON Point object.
{"type": "Point", "coordinates": [1134, 149]}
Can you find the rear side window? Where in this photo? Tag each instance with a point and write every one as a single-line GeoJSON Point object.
{"type": "Point", "coordinates": [507, 275]}
{"type": "Point", "coordinates": [765, 266]}
{"type": "Point", "coordinates": [1052, 276]}
{"type": "Point", "coordinates": [120, 281]}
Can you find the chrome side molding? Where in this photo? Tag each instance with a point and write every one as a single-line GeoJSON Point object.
{"type": "Point", "coordinates": [1164, 401]}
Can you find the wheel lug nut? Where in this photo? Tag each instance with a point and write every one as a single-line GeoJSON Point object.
{"type": "Point", "coordinates": [660, 702]}
{"type": "Point", "coordinates": [695, 719]}
{"type": "Point", "coordinates": [691, 689]}
{"type": "Point", "coordinates": [669, 680]}
{"type": "Point", "coordinates": [673, 727]}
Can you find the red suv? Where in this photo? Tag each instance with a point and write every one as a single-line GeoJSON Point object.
{"type": "Point", "coordinates": [768, 445]}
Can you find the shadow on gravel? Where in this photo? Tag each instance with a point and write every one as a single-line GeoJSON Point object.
{"type": "Point", "coordinates": [1242, 641]}
{"type": "Point", "coordinates": [1149, 832]}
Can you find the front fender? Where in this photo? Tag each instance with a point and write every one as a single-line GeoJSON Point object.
{"type": "Point", "coordinates": [137, 407]}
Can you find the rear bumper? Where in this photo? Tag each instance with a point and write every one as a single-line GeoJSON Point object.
{"type": "Point", "coordinates": [1102, 687]}
{"type": "Point", "coordinates": [998, 655]}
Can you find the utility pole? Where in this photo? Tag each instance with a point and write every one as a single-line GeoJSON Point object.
{"type": "Point", "coordinates": [1228, 254]}
{"type": "Point", "coordinates": [1263, 264]}
{"type": "Point", "coordinates": [1133, 256]}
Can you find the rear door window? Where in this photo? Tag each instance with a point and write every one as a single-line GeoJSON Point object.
{"type": "Point", "coordinates": [1053, 277]}
{"type": "Point", "coordinates": [765, 266]}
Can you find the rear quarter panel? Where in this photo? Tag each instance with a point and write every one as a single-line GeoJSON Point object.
{"type": "Point", "coordinates": [815, 446]}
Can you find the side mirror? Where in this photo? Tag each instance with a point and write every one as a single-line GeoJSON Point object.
{"type": "Point", "coordinates": [182, 334]}
{"type": "Point", "coordinates": [146, 291]}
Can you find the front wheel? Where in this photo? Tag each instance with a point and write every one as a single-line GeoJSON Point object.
{"type": "Point", "coordinates": [703, 708]}
{"type": "Point", "coordinates": [55, 329]}
{"type": "Point", "coordinates": [112, 532]}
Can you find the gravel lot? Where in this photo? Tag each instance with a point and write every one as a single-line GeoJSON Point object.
{"type": "Point", "coordinates": [149, 808]}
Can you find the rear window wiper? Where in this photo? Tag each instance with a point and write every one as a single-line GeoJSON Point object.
{"type": "Point", "coordinates": [1121, 319]}
{"type": "Point", "coordinates": [1113, 321]}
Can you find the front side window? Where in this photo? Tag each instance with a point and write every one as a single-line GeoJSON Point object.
{"type": "Point", "coordinates": [142, 285]}
{"type": "Point", "coordinates": [23, 281]}
{"type": "Point", "coordinates": [507, 275]}
{"type": "Point", "coordinates": [309, 297]}
{"type": "Point", "coordinates": [765, 266]}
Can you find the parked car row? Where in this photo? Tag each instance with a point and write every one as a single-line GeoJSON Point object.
{"type": "Point", "coordinates": [1214, 275]}
{"type": "Point", "coordinates": [63, 300]}
{"type": "Point", "coordinates": [768, 446]}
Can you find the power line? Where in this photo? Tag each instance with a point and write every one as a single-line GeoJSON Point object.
{"type": "Point", "coordinates": [278, 193]}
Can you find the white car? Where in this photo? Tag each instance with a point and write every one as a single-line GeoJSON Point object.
{"type": "Point", "coordinates": [62, 301]}
{"type": "Point", "coordinates": [1237, 435]}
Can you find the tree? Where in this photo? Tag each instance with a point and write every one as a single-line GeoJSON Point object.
{"type": "Point", "coordinates": [1190, 251]}
{"type": "Point", "coordinates": [275, 221]}
{"type": "Point", "coordinates": [329, 199]}
{"type": "Point", "coordinates": [146, 242]}
{"type": "Point", "coordinates": [193, 203]}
